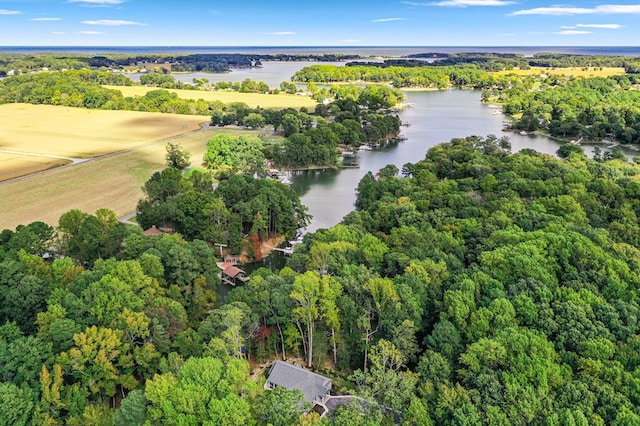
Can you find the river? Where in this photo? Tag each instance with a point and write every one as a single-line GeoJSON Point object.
{"type": "Point", "coordinates": [435, 117]}
{"type": "Point", "coordinates": [272, 72]}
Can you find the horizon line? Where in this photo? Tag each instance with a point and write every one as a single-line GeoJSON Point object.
{"type": "Point", "coordinates": [311, 46]}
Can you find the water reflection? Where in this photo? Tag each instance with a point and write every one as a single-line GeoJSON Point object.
{"type": "Point", "coordinates": [436, 117]}
{"type": "Point", "coordinates": [273, 73]}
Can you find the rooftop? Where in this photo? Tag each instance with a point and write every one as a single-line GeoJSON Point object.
{"type": "Point", "coordinates": [291, 376]}
{"type": "Point", "coordinates": [152, 231]}
{"type": "Point", "coordinates": [232, 271]}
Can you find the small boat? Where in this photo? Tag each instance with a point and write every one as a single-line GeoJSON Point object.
{"type": "Point", "coordinates": [523, 133]}
{"type": "Point", "coordinates": [286, 181]}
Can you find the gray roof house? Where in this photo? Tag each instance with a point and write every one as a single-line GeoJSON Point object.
{"type": "Point", "coordinates": [314, 387]}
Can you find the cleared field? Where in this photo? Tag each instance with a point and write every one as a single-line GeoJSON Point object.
{"type": "Point", "coordinates": [85, 133]}
{"type": "Point", "coordinates": [570, 71]}
{"type": "Point", "coordinates": [279, 101]}
{"type": "Point", "coordinates": [113, 182]}
{"type": "Point", "coordinates": [14, 165]}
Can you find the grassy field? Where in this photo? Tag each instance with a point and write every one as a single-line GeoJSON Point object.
{"type": "Point", "coordinates": [14, 165]}
{"type": "Point", "coordinates": [570, 71]}
{"type": "Point", "coordinates": [85, 133]}
{"type": "Point", "coordinates": [113, 182]}
{"type": "Point", "coordinates": [254, 100]}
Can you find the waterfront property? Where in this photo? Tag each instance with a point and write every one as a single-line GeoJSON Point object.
{"type": "Point", "coordinates": [232, 275]}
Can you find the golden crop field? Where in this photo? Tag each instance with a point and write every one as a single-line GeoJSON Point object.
{"type": "Point", "coordinates": [13, 165]}
{"type": "Point", "coordinates": [569, 71]}
{"type": "Point", "coordinates": [112, 182]}
{"type": "Point", "coordinates": [279, 101]}
{"type": "Point", "coordinates": [85, 133]}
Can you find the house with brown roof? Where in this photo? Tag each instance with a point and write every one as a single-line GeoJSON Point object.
{"type": "Point", "coordinates": [152, 231]}
{"type": "Point", "coordinates": [233, 275]}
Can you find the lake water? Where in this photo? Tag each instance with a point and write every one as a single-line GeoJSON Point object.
{"type": "Point", "coordinates": [272, 72]}
{"type": "Point", "coordinates": [436, 117]}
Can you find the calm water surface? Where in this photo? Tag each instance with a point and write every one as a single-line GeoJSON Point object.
{"type": "Point", "coordinates": [436, 117]}
{"type": "Point", "coordinates": [273, 73]}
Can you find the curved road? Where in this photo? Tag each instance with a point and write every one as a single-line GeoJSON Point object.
{"type": "Point", "coordinates": [32, 154]}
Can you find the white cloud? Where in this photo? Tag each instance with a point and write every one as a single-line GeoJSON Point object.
{"type": "Point", "coordinates": [111, 22]}
{"type": "Point", "coordinates": [282, 33]}
{"type": "Point", "coordinates": [605, 26]}
{"type": "Point", "coordinates": [462, 3]}
{"type": "Point", "coordinates": [567, 27]}
{"type": "Point", "coordinates": [46, 19]}
{"type": "Point", "coordinates": [605, 9]}
{"type": "Point", "coordinates": [9, 12]}
{"type": "Point", "coordinates": [573, 32]}
{"type": "Point", "coordinates": [90, 32]}
{"type": "Point", "coordinates": [98, 2]}
{"type": "Point", "coordinates": [388, 19]}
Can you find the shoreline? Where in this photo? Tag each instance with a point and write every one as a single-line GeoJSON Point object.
{"type": "Point", "coordinates": [581, 141]}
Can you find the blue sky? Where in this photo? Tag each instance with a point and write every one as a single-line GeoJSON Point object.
{"type": "Point", "coordinates": [319, 23]}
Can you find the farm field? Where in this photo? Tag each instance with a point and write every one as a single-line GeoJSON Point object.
{"type": "Point", "coordinates": [570, 71]}
{"type": "Point", "coordinates": [279, 101]}
{"type": "Point", "coordinates": [14, 165]}
{"type": "Point", "coordinates": [112, 182]}
{"type": "Point", "coordinates": [85, 133]}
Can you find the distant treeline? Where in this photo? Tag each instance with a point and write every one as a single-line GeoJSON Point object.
{"type": "Point", "coordinates": [216, 62]}
{"type": "Point", "coordinates": [399, 76]}
{"type": "Point", "coordinates": [508, 61]}
{"type": "Point", "coordinates": [590, 108]}
{"type": "Point", "coordinates": [83, 88]}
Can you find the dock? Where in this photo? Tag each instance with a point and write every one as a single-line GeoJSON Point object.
{"type": "Point", "coordinates": [352, 165]}
{"type": "Point", "coordinates": [288, 251]}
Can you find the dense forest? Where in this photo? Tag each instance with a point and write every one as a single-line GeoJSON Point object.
{"type": "Point", "coordinates": [399, 76]}
{"type": "Point", "coordinates": [239, 205]}
{"type": "Point", "coordinates": [593, 108]}
{"type": "Point", "coordinates": [472, 287]}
